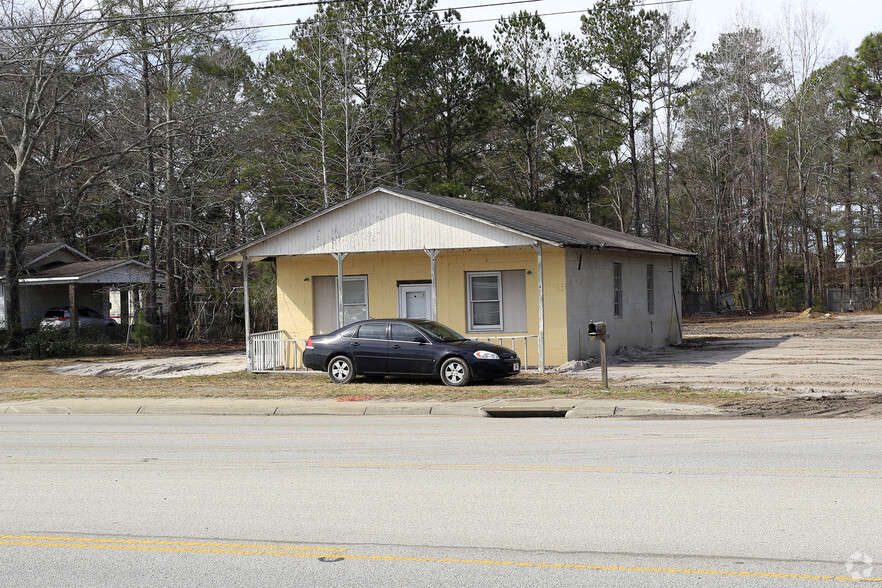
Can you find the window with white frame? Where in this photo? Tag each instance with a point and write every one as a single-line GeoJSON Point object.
{"type": "Point", "coordinates": [355, 307]}
{"type": "Point", "coordinates": [650, 288]}
{"type": "Point", "coordinates": [484, 291]}
{"type": "Point", "coordinates": [617, 289]}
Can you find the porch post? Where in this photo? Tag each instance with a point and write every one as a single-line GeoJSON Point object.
{"type": "Point", "coordinates": [541, 342]}
{"type": "Point", "coordinates": [248, 359]}
{"type": "Point", "coordinates": [433, 253]}
{"type": "Point", "coordinates": [339, 257]}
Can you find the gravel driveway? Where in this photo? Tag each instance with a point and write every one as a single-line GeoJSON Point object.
{"type": "Point", "coordinates": [166, 367]}
{"type": "Point", "coordinates": [835, 354]}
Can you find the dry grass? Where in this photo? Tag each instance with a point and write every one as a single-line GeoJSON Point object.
{"type": "Point", "coordinates": [31, 380]}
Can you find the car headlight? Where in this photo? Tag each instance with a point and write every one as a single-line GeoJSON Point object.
{"type": "Point", "coordinates": [481, 354]}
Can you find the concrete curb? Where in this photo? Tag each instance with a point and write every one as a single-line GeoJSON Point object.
{"type": "Point", "coordinates": [267, 407]}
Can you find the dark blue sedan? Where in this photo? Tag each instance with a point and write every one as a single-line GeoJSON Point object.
{"type": "Point", "coordinates": [381, 347]}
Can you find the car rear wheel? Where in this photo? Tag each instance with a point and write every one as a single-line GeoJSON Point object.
{"type": "Point", "coordinates": [455, 372]}
{"type": "Point", "coordinates": [341, 370]}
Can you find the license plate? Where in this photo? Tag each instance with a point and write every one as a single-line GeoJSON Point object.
{"type": "Point", "coordinates": [515, 367]}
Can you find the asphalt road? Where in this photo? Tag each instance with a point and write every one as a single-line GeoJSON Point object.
{"type": "Point", "coordinates": [432, 501]}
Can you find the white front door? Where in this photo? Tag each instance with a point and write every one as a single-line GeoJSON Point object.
{"type": "Point", "coordinates": [414, 301]}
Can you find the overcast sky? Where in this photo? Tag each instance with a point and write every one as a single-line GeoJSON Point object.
{"type": "Point", "coordinates": [849, 21]}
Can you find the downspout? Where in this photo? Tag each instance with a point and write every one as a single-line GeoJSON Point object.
{"type": "Point", "coordinates": [541, 343]}
{"type": "Point", "coordinates": [674, 300]}
{"type": "Point", "coordinates": [249, 361]}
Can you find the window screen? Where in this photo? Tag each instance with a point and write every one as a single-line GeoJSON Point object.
{"type": "Point", "coordinates": [485, 300]}
{"type": "Point", "coordinates": [354, 299]}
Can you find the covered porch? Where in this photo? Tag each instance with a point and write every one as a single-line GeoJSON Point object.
{"type": "Point", "coordinates": [495, 294]}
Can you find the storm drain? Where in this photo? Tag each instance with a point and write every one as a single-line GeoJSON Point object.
{"type": "Point", "coordinates": [521, 411]}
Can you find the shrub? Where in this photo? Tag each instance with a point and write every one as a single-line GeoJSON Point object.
{"type": "Point", "coordinates": [52, 343]}
{"type": "Point", "coordinates": [791, 284]}
{"type": "Point", "coordinates": [143, 333]}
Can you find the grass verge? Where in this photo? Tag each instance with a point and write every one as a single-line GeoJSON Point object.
{"type": "Point", "coordinates": [34, 380]}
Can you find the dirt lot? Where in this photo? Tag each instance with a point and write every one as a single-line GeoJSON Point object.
{"type": "Point", "coordinates": [791, 365]}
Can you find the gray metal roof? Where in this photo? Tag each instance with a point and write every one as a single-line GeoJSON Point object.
{"type": "Point", "coordinates": [133, 271]}
{"type": "Point", "coordinates": [552, 229]}
{"type": "Point", "coordinates": [77, 269]}
{"type": "Point", "coordinates": [561, 230]}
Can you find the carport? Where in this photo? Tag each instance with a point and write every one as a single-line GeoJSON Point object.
{"type": "Point", "coordinates": [85, 283]}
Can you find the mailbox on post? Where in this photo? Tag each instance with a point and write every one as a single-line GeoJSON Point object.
{"type": "Point", "coordinates": [597, 331]}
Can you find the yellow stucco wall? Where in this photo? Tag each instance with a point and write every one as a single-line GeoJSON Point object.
{"type": "Point", "coordinates": [385, 270]}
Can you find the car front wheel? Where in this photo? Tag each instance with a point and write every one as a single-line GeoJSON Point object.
{"type": "Point", "coordinates": [455, 372]}
{"type": "Point", "coordinates": [341, 370]}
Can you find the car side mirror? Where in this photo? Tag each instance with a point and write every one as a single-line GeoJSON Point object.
{"type": "Point", "coordinates": [420, 339]}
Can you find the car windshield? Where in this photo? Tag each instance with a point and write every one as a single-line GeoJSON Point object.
{"type": "Point", "coordinates": [439, 331]}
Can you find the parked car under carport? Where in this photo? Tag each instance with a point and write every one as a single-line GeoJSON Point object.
{"type": "Point", "coordinates": [59, 317]}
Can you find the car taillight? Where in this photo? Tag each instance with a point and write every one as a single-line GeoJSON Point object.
{"type": "Point", "coordinates": [62, 318]}
{"type": "Point", "coordinates": [309, 343]}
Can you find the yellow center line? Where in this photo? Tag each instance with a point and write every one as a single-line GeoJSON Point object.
{"type": "Point", "coordinates": [339, 553]}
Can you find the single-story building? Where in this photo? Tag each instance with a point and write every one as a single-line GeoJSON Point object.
{"type": "Point", "coordinates": [529, 280]}
{"type": "Point", "coordinates": [51, 271]}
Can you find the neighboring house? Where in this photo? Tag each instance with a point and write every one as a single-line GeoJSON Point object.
{"type": "Point", "coordinates": [50, 271]}
{"type": "Point", "coordinates": [533, 281]}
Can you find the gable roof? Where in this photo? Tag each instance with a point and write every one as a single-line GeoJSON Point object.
{"type": "Point", "coordinates": [42, 264]}
{"type": "Point", "coordinates": [523, 227]}
{"type": "Point", "coordinates": [37, 252]}
{"type": "Point", "coordinates": [553, 229]}
{"type": "Point", "coordinates": [106, 271]}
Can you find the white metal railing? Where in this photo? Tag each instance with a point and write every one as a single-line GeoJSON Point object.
{"type": "Point", "coordinates": [274, 351]}
{"type": "Point", "coordinates": [512, 341]}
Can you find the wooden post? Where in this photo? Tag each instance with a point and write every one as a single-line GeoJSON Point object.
{"type": "Point", "coordinates": [603, 364]}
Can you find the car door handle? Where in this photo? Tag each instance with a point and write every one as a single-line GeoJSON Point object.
{"type": "Point", "coordinates": [396, 347]}
{"type": "Point", "coordinates": [354, 344]}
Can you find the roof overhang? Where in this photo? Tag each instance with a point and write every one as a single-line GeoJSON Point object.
{"type": "Point", "coordinates": [492, 234]}
{"type": "Point", "coordinates": [127, 271]}
{"type": "Point", "coordinates": [384, 220]}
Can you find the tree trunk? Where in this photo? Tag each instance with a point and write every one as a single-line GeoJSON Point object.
{"type": "Point", "coordinates": [171, 192]}
{"type": "Point", "coordinates": [74, 303]}
{"type": "Point", "coordinates": [635, 178]}
{"type": "Point", "coordinates": [654, 221]}
{"type": "Point", "coordinates": [849, 222]}
{"type": "Point", "coordinates": [14, 243]}
{"type": "Point", "coordinates": [150, 305]}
